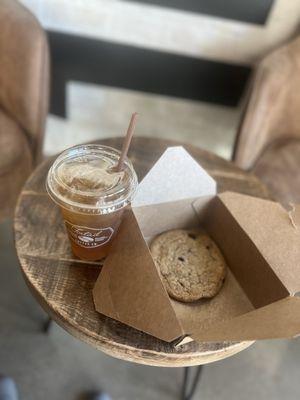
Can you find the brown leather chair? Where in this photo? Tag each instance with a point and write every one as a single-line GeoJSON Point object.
{"type": "Point", "coordinates": [24, 91]}
{"type": "Point", "coordinates": [268, 141]}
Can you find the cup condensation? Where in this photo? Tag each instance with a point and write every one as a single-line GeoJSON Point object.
{"type": "Point", "coordinates": [92, 196]}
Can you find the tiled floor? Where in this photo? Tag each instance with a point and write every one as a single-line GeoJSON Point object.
{"type": "Point", "coordinates": [96, 112]}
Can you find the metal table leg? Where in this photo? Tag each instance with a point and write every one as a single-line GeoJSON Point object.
{"type": "Point", "coordinates": [47, 325]}
{"type": "Point", "coordinates": [189, 384]}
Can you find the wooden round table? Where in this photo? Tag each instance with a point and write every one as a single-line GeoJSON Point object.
{"type": "Point", "coordinates": [63, 284]}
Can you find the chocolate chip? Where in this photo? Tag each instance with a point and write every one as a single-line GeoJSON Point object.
{"type": "Point", "coordinates": [192, 236]}
{"type": "Point", "coordinates": [181, 259]}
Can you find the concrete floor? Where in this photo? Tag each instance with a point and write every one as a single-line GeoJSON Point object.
{"type": "Point", "coordinates": [59, 367]}
{"type": "Point", "coordinates": [96, 112]}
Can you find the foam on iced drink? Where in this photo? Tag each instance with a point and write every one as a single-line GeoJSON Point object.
{"type": "Point", "coordinates": [92, 175]}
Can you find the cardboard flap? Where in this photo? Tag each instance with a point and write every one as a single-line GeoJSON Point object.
{"type": "Point", "coordinates": [277, 320]}
{"type": "Point", "coordinates": [157, 218]}
{"type": "Point", "coordinates": [129, 288]}
{"type": "Point", "coordinates": [294, 215]}
{"type": "Point", "coordinates": [175, 176]}
{"type": "Point", "coordinates": [270, 228]}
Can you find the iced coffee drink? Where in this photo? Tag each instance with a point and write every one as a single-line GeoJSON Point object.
{"type": "Point", "coordinates": [92, 196]}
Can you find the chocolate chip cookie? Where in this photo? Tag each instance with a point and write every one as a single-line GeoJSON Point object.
{"type": "Point", "coordinates": [191, 265]}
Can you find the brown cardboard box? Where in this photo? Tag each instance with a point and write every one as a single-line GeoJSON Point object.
{"type": "Point", "coordinates": [259, 241]}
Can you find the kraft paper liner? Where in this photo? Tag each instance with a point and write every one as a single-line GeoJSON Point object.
{"type": "Point", "coordinates": [175, 176]}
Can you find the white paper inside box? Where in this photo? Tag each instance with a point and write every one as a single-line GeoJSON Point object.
{"type": "Point", "coordinates": [258, 240]}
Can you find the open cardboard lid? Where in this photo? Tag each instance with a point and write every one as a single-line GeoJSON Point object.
{"type": "Point", "coordinates": [270, 228]}
{"type": "Point", "coordinates": [129, 288]}
{"type": "Point", "coordinates": [175, 176]}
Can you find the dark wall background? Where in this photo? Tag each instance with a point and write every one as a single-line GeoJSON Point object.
{"type": "Point", "coordinates": [94, 61]}
{"type": "Point", "coordinates": [105, 63]}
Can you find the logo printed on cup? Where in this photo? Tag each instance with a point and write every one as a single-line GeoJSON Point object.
{"type": "Point", "coordinates": [89, 237]}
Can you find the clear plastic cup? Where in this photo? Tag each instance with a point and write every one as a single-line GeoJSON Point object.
{"type": "Point", "coordinates": [92, 196]}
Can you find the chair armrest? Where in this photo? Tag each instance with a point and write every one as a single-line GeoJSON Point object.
{"type": "Point", "coordinates": [24, 70]}
{"type": "Point", "coordinates": [272, 106]}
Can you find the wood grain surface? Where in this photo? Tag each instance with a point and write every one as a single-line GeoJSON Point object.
{"type": "Point", "coordinates": [63, 284]}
